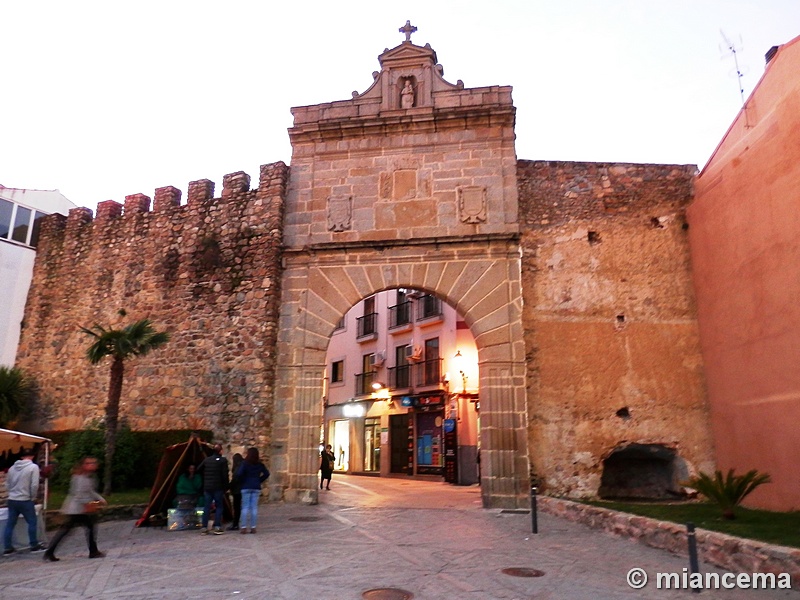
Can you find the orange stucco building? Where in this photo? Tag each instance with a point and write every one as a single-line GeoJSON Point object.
{"type": "Point", "coordinates": [745, 247]}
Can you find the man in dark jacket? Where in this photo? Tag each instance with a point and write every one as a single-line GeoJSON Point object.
{"type": "Point", "coordinates": [214, 470]}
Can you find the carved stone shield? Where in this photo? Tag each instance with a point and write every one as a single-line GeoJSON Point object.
{"type": "Point", "coordinates": [340, 211]}
{"type": "Point", "coordinates": [472, 204]}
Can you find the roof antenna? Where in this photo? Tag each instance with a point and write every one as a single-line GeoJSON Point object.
{"type": "Point", "coordinates": [732, 49]}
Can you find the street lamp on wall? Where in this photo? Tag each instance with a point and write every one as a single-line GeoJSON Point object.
{"type": "Point", "coordinates": [381, 392]}
{"type": "Point", "coordinates": [459, 362]}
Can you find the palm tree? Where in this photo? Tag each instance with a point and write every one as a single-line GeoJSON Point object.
{"type": "Point", "coordinates": [137, 339]}
{"type": "Point", "coordinates": [16, 391]}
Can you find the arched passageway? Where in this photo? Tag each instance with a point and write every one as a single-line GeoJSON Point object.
{"type": "Point", "coordinates": [480, 281]}
{"type": "Point", "coordinates": [400, 390]}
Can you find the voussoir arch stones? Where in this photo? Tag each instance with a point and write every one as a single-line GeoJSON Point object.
{"type": "Point", "coordinates": [480, 279]}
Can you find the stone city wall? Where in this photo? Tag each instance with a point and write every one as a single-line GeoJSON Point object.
{"type": "Point", "coordinates": [609, 318]}
{"type": "Point", "coordinates": [207, 271]}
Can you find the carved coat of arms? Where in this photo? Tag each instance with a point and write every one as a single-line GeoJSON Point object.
{"type": "Point", "coordinates": [472, 204]}
{"type": "Point", "coordinates": [340, 210]}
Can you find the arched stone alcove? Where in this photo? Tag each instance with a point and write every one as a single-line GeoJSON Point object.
{"type": "Point", "coordinates": [642, 471]}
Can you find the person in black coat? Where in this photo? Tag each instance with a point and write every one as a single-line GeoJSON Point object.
{"type": "Point", "coordinates": [328, 459]}
{"type": "Point", "coordinates": [236, 491]}
{"type": "Point", "coordinates": [214, 470]}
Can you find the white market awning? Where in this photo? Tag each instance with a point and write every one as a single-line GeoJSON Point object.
{"type": "Point", "coordinates": [13, 441]}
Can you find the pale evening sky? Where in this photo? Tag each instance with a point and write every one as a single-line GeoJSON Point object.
{"type": "Point", "coordinates": [105, 99]}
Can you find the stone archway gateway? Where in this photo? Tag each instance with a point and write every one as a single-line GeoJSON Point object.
{"type": "Point", "coordinates": [413, 183]}
{"type": "Point", "coordinates": [384, 193]}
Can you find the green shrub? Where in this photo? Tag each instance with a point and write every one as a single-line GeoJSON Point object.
{"type": "Point", "coordinates": [728, 491]}
{"type": "Point", "coordinates": [135, 462]}
{"type": "Point", "coordinates": [91, 442]}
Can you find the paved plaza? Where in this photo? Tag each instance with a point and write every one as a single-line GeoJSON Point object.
{"type": "Point", "coordinates": [430, 539]}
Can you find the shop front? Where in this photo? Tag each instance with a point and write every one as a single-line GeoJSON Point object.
{"type": "Point", "coordinates": [413, 435]}
{"type": "Point", "coordinates": [429, 440]}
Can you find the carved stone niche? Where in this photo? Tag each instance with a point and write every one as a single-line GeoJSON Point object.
{"type": "Point", "coordinates": [340, 213]}
{"type": "Point", "coordinates": [408, 91]}
{"type": "Point", "coordinates": [404, 184]}
{"type": "Point", "coordinates": [401, 184]}
{"type": "Point", "coordinates": [471, 203]}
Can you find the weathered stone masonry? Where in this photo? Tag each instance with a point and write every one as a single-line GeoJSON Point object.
{"type": "Point", "coordinates": [207, 271]}
{"type": "Point", "coordinates": [609, 318]}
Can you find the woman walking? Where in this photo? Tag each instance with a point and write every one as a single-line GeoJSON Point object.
{"type": "Point", "coordinates": [251, 475]}
{"type": "Point", "coordinates": [79, 507]}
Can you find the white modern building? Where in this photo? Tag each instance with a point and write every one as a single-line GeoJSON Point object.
{"type": "Point", "coordinates": [401, 389]}
{"type": "Point", "coordinates": [20, 214]}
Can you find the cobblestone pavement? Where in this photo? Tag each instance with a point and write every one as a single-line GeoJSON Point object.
{"type": "Point", "coordinates": [431, 539]}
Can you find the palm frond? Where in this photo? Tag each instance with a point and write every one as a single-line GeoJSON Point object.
{"type": "Point", "coordinates": [15, 393]}
{"type": "Point", "coordinates": [729, 490]}
{"type": "Point", "coordinates": [135, 339]}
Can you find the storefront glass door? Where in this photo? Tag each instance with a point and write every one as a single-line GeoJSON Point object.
{"type": "Point", "coordinates": [372, 445]}
{"type": "Point", "coordinates": [341, 445]}
{"type": "Point", "coordinates": [430, 455]}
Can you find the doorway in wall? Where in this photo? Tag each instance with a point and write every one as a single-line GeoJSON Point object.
{"type": "Point", "coordinates": [398, 438]}
{"type": "Point", "coordinates": [372, 445]}
{"type": "Point", "coordinates": [341, 445]}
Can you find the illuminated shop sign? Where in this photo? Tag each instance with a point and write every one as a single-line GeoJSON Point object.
{"type": "Point", "coordinates": [353, 410]}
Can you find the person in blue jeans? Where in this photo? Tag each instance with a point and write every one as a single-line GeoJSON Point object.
{"type": "Point", "coordinates": [251, 474]}
{"type": "Point", "coordinates": [22, 482]}
{"type": "Point", "coordinates": [214, 470]}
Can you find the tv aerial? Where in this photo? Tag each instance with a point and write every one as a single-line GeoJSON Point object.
{"type": "Point", "coordinates": [731, 49]}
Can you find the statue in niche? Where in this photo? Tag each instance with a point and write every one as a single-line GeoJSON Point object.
{"type": "Point", "coordinates": [407, 95]}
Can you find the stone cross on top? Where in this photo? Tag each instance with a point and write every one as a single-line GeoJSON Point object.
{"type": "Point", "coordinates": [408, 29]}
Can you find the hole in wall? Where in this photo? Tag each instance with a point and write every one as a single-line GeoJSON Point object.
{"type": "Point", "coordinates": [620, 319]}
{"type": "Point", "coordinates": [624, 413]}
{"type": "Point", "coordinates": [593, 237]}
{"type": "Point", "coordinates": [656, 223]}
{"type": "Point", "coordinates": [642, 471]}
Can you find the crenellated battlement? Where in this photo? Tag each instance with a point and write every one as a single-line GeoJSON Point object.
{"type": "Point", "coordinates": [166, 198]}
{"type": "Point", "coordinates": [193, 268]}
{"type": "Point", "coordinates": [200, 196]}
{"type": "Point", "coordinates": [136, 203]}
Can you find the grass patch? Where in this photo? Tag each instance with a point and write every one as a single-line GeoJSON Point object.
{"type": "Point", "coordinates": [142, 496]}
{"type": "Point", "coordinates": [782, 528]}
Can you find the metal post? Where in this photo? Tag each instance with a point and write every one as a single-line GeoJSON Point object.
{"type": "Point", "coordinates": [694, 565]}
{"type": "Point", "coordinates": [534, 523]}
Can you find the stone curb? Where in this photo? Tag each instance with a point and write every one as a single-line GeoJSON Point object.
{"type": "Point", "coordinates": [729, 552]}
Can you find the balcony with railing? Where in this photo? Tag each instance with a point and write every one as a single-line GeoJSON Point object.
{"type": "Point", "coordinates": [399, 377]}
{"type": "Point", "coordinates": [422, 374]}
{"type": "Point", "coordinates": [367, 327]}
{"type": "Point", "coordinates": [364, 383]}
{"type": "Point", "coordinates": [429, 372]}
{"type": "Point", "coordinates": [400, 317]}
{"type": "Point", "coordinates": [429, 309]}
